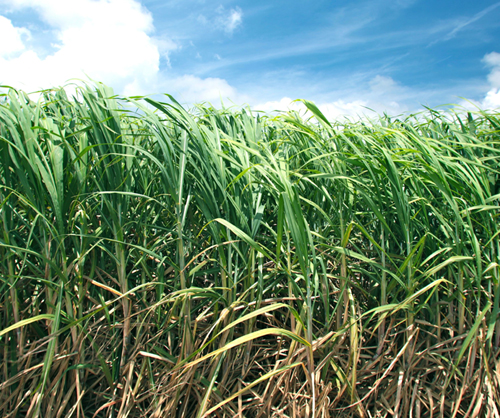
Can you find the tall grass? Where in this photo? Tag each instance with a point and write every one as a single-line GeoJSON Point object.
{"type": "Point", "coordinates": [158, 261]}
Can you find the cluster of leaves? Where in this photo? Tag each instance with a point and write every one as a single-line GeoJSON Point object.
{"type": "Point", "coordinates": [161, 262]}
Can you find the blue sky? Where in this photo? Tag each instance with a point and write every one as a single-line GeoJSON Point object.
{"type": "Point", "coordinates": [345, 55]}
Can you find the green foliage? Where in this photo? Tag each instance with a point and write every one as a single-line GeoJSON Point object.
{"type": "Point", "coordinates": [166, 262]}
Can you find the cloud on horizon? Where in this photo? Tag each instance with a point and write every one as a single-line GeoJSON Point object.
{"type": "Point", "coordinates": [492, 99]}
{"type": "Point", "coordinates": [384, 94]}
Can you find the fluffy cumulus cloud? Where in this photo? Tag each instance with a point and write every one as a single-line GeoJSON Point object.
{"type": "Point", "coordinates": [106, 40]}
{"type": "Point", "coordinates": [192, 89]}
{"type": "Point", "coordinates": [383, 94]}
{"type": "Point", "coordinates": [283, 105]}
{"type": "Point", "coordinates": [491, 89]}
{"type": "Point", "coordinates": [492, 99]}
{"type": "Point", "coordinates": [332, 110]}
{"type": "Point", "coordinates": [14, 36]}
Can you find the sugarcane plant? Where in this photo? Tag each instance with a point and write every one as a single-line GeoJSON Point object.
{"type": "Point", "coordinates": [165, 261]}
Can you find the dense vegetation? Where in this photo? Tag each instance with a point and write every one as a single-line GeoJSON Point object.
{"type": "Point", "coordinates": [161, 262]}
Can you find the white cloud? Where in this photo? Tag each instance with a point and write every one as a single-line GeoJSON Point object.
{"type": "Point", "coordinates": [383, 94]}
{"type": "Point", "coordinates": [493, 60]}
{"type": "Point", "coordinates": [188, 89]}
{"type": "Point", "coordinates": [340, 108]}
{"type": "Point", "coordinates": [492, 98]}
{"type": "Point", "coordinates": [12, 37]}
{"type": "Point", "coordinates": [229, 21]}
{"type": "Point", "coordinates": [283, 105]}
{"type": "Point", "coordinates": [107, 40]}
{"type": "Point", "coordinates": [222, 20]}
{"type": "Point", "coordinates": [64, 14]}
{"type": "Point", "coordinates": [192, 89]}
{"type": "Point", "coordinates": [336, 110]}
{"type": "Point", "coordinates": [111, 41]}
